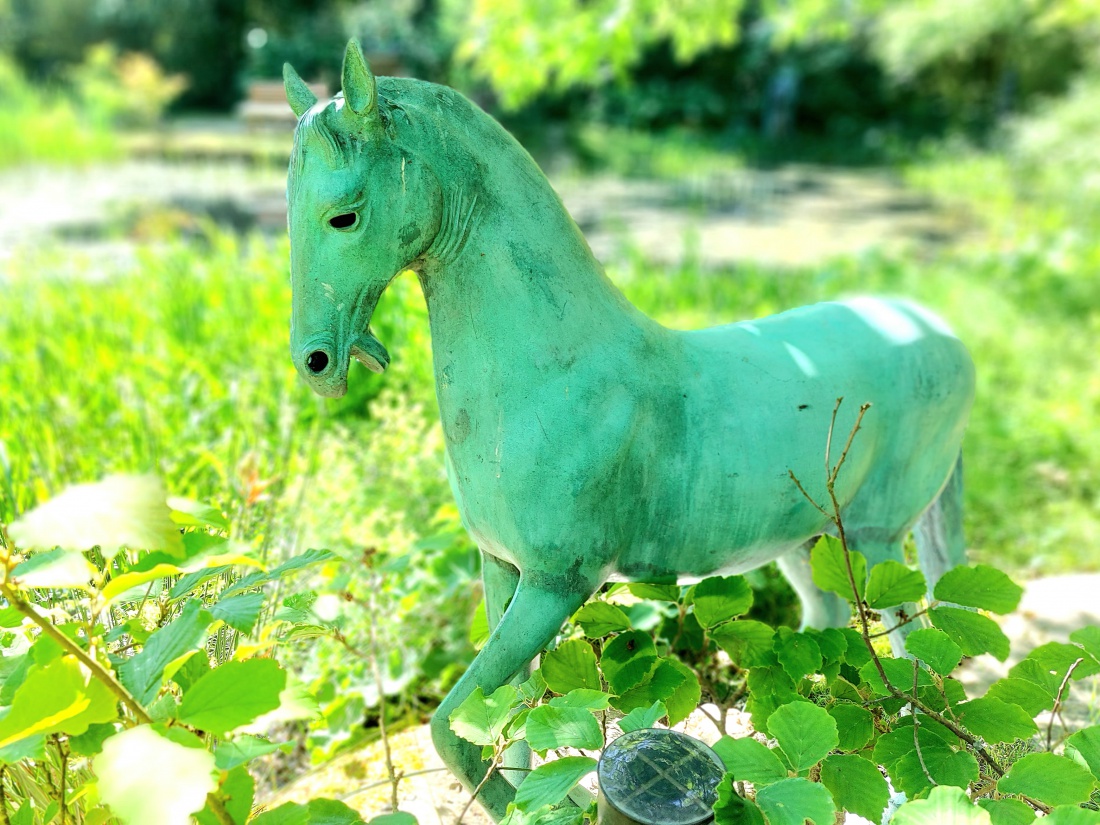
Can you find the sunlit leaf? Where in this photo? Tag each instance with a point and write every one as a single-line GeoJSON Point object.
{"type": "Point", "coordinates": [55, 568]}
{"type": "Point", "coordinates": [233, 694]}
{"type": "Point", "coordinates": [598, 619]}
{"type": "Point", "coordinates": [143, 673]}
{"type": "Point", "coordinates": [480, 719]}
{"type": "Point", "coordinates": [829, 571]}
{"type": "Point", "coordinates": [550, 727]}
{"type": "Point", "coordinates": [119, 511]}
{"type": "Point", "coordinates": [550, 783]}
{"type": "Point", "coordinates": [134, 782]}
{"type": "Point", "coordinates": [892, 583]}
{"type": "Point", "coordinates": [62, 697]}
{"type": "Point", "coordinates": [945, 805]}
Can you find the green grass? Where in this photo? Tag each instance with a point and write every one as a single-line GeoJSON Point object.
{"type": "Point", "coordinates": [179, 365]}
{"type": "Point", "coordinates": [47, 128]}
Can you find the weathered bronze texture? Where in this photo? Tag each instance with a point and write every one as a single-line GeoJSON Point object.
{"type": "Point", "coordinates": [585, 442]}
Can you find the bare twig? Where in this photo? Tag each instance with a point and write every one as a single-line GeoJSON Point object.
{"type": "Point", "coordinates": [1057, 709]}
{"type": "Point", "coordinates": [107, 678]}
{"type": "Point", "coordinates": [63, 753]}
{"type": "Point", "coordinates": [916, 727]}
{"type": "Point", "coordinates": [908, 619]}
{"type": "Point", "coordinates": [376, 670]}
{"type": "Point", "coordinates": [809, 498]}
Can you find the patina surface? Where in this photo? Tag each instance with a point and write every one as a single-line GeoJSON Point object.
{"type": "Point", "coordinates": [586, 442]}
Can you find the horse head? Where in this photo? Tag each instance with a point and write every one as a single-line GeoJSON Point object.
{"type": "Point", "coordinates": [360, 210]}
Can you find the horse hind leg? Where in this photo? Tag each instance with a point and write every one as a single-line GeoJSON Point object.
{"type": "Point", "coordinates": [938, 533]}
{"type": "Point", "coordinates": [820, 609]}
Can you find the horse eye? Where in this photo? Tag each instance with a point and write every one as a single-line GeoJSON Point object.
{"type": "Point", "coordinates": [343, 221]}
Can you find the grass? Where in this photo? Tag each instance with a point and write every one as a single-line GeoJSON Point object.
{"type": "Point", "coordinates": [179, 365]}
{"type": "Point", "coordinates": [47, 128]}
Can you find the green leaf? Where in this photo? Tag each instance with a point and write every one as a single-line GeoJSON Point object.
{"type": "Point", "coordinates": [188, 513]}
{"type": "Point", "coordinates": [240, 612]}
{"type": "Point", "coordinates": [750, 761]}
{"type": "Point", "coordinates": [1056, 658]}
{"type": "Point", "coordinates": [29, 747]}
{"type": "Point", "coordinates": [981, 586]}
{"type": "Point", "coordinates": [91, 741]}
{"type": "Point", "coordinates": [798, 654]}
{"type": "Point", "coordinates": [56, 568]}
{"type": "Point", "coordinates": [627, 660]}
{"type": "Point", "coordinates": [830, 572]}
{"type": "Point", "coordinates": [585, 698]}
{"type": "Point", "coordinates": [730, 808]}
{"type": "Point", "coordinates": [856, 785]}
{"type": "Point", "coordinates": [857, 654]}
{"type": "Point", "coordinates": [550, 783]}
{"type": "Point", "coordinates": [655, 592]}
{"type": "Point", "coordinates": [533, 689]}
{"type": "Point", "coordinates": [62, 697]}
{"type": "Point", "coordinates": [132, 778]}
{"type": "Point", "coordinates": [481, 719]}
{"type": "Point", "coordinates": [399, 818]}
{"type": "Point", "coordinates": [598, 619]}
{"type": "Point", "coordinates": [944, 806]}
{"type": "Point", "coordinates": [241, 750]}
{"type": "Point", "coordinates": [685, 699]}
{"type": "Point", "coordinates": [1072, 815]}
{"type": "Point", "coordinates": [478, 633]}
{"type": "Point", "coordinates": [832, 642]}
{"type": "Point", "coordinates": [1084, 746]}
{"type": "Point", "coordinates": [659, 686]}
{"type": "Point", "coordinates": [549, 727]}
{"type": "Point", "coordinates": [640, 718]}
{"type": "Point", "coordinates": [974, 633]}
{"type": "Point", "coordinates": [854, 725]}
{"type": "Point", "coordinates": [1055, 780]}
{"type": "Point", "coordinates": [935, 648]}
{"type": "Point", "coordinates": [289, 813]}
{"type": "Point", "coordinates": [143, 674]}
{"type": "Point", "coordinates": [237, 791]}
{"type": "Point", "coordinates": [120, 511]}
{"type": "Point", "coordinates": [748, 643]}
{"type": "Point", "coordinates": [232, 695]}
{"type": "Point", "coordinates": [898, 671]}
{"type": "Point", "coordinates": [896, 752]}
{"type": "Point", "coordinates": [793, 801]}
{"type": "Point", "coordinates": [571, 666]}
{"type": "Point", "coordinates": [119, 586]}
{"type": "Point", "coordinates": [995, 720]}
{"type": "Point", "coordinates": [1008, 811]}
{"type": "Point", "coordinates": [1028, 695]}
{"type": "Point", "coordinates": [1089, 638]}
{"type": "Point", "coordinates": [719, 599]}
{"type": "Point", "coordinates": [804, 732]}
{"type": "Point", "coordinates": [892, 583]}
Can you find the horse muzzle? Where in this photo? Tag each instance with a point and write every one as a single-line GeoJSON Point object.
{"type": "Point", "coordinates": [325, 367]}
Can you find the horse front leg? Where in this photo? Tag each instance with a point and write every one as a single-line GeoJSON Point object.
{"type": "Point", "coordinates": [539, 607]}
{"type": "Point", "coordinates": [500, 580]}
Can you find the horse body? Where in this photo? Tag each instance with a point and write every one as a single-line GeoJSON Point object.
{"type": "Point", "coordinates": [584, 441]}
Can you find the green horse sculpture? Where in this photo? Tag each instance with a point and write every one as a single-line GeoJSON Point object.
{"type": "Point", "coordinates": [585, 442]}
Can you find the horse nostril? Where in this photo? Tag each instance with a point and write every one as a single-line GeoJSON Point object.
{"type": "Point", "coordinates": [317, 361]}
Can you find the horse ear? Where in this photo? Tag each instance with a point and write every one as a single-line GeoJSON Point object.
{"type": "Point", "coordinates": [298, 95]}
{"type": "Point", "coordinates": [360, 91]}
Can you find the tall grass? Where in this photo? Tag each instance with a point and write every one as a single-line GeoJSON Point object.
{"type": "Point", "coordinates": [180, 364]}
{"type": "Point", "coordinates": [47, 126]}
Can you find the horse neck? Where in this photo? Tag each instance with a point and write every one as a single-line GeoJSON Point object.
{"type": "Point", "coordinates": [510, 269]}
